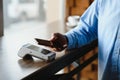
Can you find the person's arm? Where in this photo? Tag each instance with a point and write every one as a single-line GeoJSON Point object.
{"type": "Point", "coordinates": [86, 31]}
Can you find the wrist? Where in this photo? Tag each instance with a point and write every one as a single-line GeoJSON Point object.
{"type": "Point", "coordinates": [66, 39]}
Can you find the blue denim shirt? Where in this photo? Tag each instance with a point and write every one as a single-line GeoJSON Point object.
{"type": "Point", "coordinates": [101, 20]}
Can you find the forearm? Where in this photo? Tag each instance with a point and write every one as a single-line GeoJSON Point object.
{"type": "Point", "coordinates": [86, 31]}
{"type": "Point", "coordinates": [78, 37]}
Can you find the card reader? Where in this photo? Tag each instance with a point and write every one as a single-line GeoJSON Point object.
{"type": "Point", "coordinates": [39, 52]}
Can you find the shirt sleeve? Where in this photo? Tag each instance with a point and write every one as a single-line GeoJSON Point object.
{"type": "Point", "coordinates": [86, 31]}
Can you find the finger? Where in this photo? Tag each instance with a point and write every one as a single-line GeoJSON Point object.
{"type": "Point", "coordinates": [58, 45]}
{"type": "Point", "coordinates": [54, 36]}
{"type": "Point", "coordinates": [56, 49]}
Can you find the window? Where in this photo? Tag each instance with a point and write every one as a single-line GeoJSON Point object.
{"type": "Point", "coordinates": [9, 1]}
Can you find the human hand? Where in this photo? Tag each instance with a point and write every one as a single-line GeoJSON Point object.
{"type": "Point", "coordinates": [59, 42]}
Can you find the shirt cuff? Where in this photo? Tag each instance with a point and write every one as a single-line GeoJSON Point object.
{"type": "Point", "coordinates": [69, 40]}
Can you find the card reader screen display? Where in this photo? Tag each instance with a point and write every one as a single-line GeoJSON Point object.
{"type": "Point", "coordinates": [35, 48]}
{"type": "Point", "coordinates": [44, 51]}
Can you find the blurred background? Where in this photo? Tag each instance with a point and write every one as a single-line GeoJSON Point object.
{"type": "Point", "coordinates": [19, 14]}
{"type": "Point", "coordinates": [25, 20]}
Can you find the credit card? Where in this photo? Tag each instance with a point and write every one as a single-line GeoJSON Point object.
{"type": "Point", "coordinates": [44, 42]}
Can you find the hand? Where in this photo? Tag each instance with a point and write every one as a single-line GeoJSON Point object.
{"type": "Point", "coordinates": [59, 42]}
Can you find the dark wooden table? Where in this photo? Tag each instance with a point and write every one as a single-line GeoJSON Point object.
{"type": "Point", "coordinates": [12, 67]}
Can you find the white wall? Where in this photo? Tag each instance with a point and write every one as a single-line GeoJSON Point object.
{"type": "Point", "coordinates": [55, 11]}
